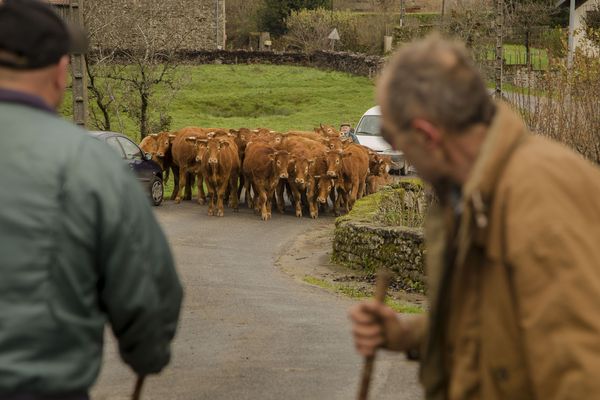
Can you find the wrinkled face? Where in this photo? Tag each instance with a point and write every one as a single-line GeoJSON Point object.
{"type": "Point", "coordinates": [334, 163]}
{"type": "Point", "coordinates": [325, 184]}
{"type": "Point", "coordinates": [345, 129]}
{"type": "Point", "coordinates": [213, 148]}
{"type": "Point", "coordinates": [281, 161]}
{"type": "Point", "coordinates": [163, 143]}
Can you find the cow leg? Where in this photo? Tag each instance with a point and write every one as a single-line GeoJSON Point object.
{"type": "Point", "coordinates": [354, 190]}
{"type": "Point", "coordinates": [249, 198]}
{"type": "Point", "coordinates": [211, 197]}
{"type": "Point", "coordinates": [240, 187]}
{"type": "Point", "coordinates": [201, 193]}
{"type": "Point", "coordinates": [233, 187]}
{"type": "Point", "coordinates": [221, 192]}
{"type": "Point", "coordinates": [188, 186]}
{"type": "Point", "coordinates": [182, 183]}
{"type": "Point", "coordinates": [297, 200]}
{"type": "Point", "coordinates": [262, 204]}
{"type": "Point", "coordinates": [280, 199]}
{"type": "Point", "coordinates": [175, 182]}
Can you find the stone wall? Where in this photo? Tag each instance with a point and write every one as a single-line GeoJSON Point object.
{"type": "Point", "coordinates": [367, 238]}
{"type": "Point", "coordinates": [371, 246]}
{"type": "Point", "coordinates": [351, 63]}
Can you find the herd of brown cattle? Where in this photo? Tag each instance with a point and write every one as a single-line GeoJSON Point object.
{"type": "Point", "coordinates": [309, 167]}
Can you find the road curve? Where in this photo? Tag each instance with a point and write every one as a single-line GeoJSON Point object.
{"type": "Point", "coordinates": [247, 330]}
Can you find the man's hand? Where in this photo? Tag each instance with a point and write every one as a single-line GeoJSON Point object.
{"type": "Point", "coordinates": [375, 325]}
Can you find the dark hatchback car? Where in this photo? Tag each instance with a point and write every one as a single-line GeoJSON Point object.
{"type": "Point", "coordinates": [147, 171]}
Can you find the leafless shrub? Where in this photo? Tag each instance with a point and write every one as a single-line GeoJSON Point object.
{"type": "Point", "coordinates": [565, 105]}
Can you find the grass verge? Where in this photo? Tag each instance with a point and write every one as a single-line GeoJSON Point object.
{"type": "Point", "coordinates": [359, 293]}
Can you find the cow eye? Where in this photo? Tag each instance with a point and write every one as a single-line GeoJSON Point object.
{"type": "Point", "coordinates": [337, 161]}
{"type": "Point", "coordinates": [278, 163]}
{"type": "Point", "coordinates": [329, 187]}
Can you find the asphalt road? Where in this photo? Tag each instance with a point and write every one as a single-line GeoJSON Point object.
{"type": "Point", "coordinates": [249, 331]}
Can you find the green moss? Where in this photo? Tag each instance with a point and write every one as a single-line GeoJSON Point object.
{"type": "Point", "coordinates": [358, 293]}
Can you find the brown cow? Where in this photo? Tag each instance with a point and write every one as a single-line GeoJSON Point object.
{"type": "Point", "coordinates": [185, 151]}
{"type": "Point", "coordinates": [380, 175]}
{"type": "Point", "coordinates": [351, 168]}
{"type": "Point", "coordinates": [220, 168]}
{"type": "Point", "coordinates": [164, 143]}
{"type": "Point", "coordinates": [263, 167]}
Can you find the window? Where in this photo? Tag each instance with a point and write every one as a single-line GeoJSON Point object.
{"type": "Point", "coordinates": [112, 142]}
{"type": "Point", "coordinates": [132, 152]}
{"type": "Point", "coordinates": [369, 125]}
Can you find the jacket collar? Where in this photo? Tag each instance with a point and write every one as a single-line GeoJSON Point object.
{"type": "Point", "coordinates": [505, 133]}
{"type": "Point", "coordinates": [13, 96]}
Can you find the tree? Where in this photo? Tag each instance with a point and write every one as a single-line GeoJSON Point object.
{"type": "Point", "coordinates": [527, 15]}
{"type": "Point", "coordinates": [275, 12]}
{"type": "Point", "coordinates": [133, 54]}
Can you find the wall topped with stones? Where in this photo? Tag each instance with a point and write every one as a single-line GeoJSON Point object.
{"type": "Point", "coordinates": [384, 230]}
{"type": "Point", "coordinates": [351, 63]}
{"type": "Point", "coordinates": [371, 246]}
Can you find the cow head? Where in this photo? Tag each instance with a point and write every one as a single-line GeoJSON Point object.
{"type": "Point", "coordinates": [334, 162]}
{"type": "Point", "coordinates": [200, 145]}
{"type": "Point", "coordinates": [301, 170]}
{"type": "Point", "coordinates": [214, 147]}
{"type": "Point", "coordinates": [164, 141]}
{"type": "Point", "coordinates": [324, 186]}
{"type": "Point", "coordinates": [281, 160]}
{"type": "Point", "coordinates": [384, 166]}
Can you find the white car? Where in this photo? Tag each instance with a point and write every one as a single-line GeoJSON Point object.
{"type": "Point", "coordinates": [368, 132]}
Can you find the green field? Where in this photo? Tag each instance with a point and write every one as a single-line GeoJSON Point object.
{"type": "Point", "coordinates": [277, 97]}
{"type": "Point", "coordinates": [515, 54]}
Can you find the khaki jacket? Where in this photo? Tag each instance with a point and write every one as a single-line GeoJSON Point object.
{"type": "Point", "coordinates": [517, 315]}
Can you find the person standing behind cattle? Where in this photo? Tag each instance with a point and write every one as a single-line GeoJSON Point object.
{"type": "Point", "coordinates": [79, 245]}
{"type": "Point", "coordinates": [347, 131]}
{"type": "Point", "coordinates": [512, 250]}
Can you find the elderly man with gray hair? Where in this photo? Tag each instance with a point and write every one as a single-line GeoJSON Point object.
{"type": "Point", "coordinates": [513, 259]}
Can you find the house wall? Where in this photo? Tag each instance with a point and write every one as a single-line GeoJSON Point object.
{"type": "Point", "coordinates": [581, 42]}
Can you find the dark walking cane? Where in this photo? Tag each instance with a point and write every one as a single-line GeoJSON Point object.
{"type": "Point", "coordinates": [137, 392]}
{"type": "Point", "coordinates": [383, 282]}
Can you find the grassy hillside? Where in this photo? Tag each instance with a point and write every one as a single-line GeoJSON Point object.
{"type": "Point", "coordinates": [277, 97]}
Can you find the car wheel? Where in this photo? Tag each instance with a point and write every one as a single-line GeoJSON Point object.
{"type": "Point", "coordinates": [157, 191]}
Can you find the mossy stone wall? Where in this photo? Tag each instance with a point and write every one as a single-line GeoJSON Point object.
{"type": "Point", "coordinates": [362, 240]}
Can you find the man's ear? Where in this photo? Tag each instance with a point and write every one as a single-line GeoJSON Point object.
{"type": "Point", "coordinates": [428, 131]}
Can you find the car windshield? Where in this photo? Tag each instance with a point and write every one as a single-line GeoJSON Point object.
{"type": "Point", "coordinates": [369, 125]}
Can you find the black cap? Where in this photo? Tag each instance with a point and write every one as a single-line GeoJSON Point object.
{"type": "Point", "coordinates": [32, 35]}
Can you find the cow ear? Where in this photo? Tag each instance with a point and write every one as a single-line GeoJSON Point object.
{"type": "Point", "coordinates": [172, 136]}
{"type": "Point", "coordinates": [234, 131]}
{"type": "Point", "coordinates": [311, 161]}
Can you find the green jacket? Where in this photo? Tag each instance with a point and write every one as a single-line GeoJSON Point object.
{"type": "Point", "coordinates": [79, 247]}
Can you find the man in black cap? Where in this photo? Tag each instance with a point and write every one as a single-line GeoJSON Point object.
{"type": "Point", "coordinates": [79, 245]}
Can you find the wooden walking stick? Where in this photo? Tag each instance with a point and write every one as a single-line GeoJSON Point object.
{"type": "Point", "coordinates": [137, 392]}
{"type": "Point", "coordinates": [383, 282]}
